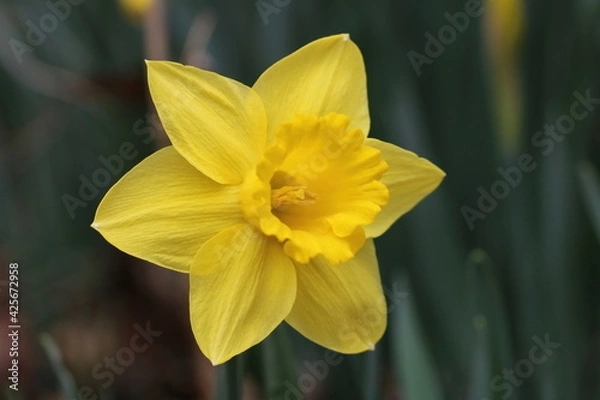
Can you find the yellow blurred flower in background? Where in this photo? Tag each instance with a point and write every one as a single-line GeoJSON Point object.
{"type": "Point", "coordinates": [269, 198]}
{"type": "Point", "coordinates": [505, 28]}
{"type": "Point", "coordinates": [505, 24]}
{"type": "Point", "coordinates": [135, 9]}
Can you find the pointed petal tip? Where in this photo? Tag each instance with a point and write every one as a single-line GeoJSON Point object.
{"type": "Point", "coordinates": [218, 361]}
{"type": "Point", "coordinates": [437, 172]}
{"type": "Point", "coordinates": [343, 37]}
{"type": "Point", "coordinates": [371, 346]}
{"type": "Point", "coordinates": [152, 63]}
{"type": "Point", "coordinates": [214, 361]}
{"type": "Point", "coordinates": [95, 225]}
{"type": "Point", "coordinates": [442, 172]}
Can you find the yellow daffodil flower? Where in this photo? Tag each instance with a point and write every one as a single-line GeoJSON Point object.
{"type": "Point", "coordinates": [270, 198]}
{"type": "Point", "coordinates": [505, 22]}
{"type": "Point", "coordinates": [135, 9]}
{"type": "Point", "coordinates": [505, 25]}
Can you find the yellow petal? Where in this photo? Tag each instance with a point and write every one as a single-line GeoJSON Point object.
{"type": "Point", "coordinates": [409, 179]}
{"type": "Point", "coordinates": [164, 209]}
{"type": "Point", "coordinates": [216, 123]}
{"type": "Point", "coordinates": [325, 76]}
{"type": "Point", "coordinates": [341, 307]}
{"type": "Point", "coordinates": [251, 290]}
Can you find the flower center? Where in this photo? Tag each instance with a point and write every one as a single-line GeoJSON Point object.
{"type": "Point", "coordinates": [286, 195]}
{"type": "Point", "coordinates": [315, 188]}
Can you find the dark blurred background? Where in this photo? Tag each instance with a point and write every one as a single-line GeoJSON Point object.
{"type": "Point", "coordinates": [492, 282]}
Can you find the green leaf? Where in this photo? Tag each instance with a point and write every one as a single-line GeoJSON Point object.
{"type": "Point", "coordinates": [487, 324]}
{"type": "Point", "coordinates": [414, 364]}
{"type": "Point", "coordinates": [277, 359]}
{"type": "Point", "coordinates": [589, 184]}
{"type": "Point", "coordinates": [481, 362]}
{"type": "Point", "coordinates": [67, 383]}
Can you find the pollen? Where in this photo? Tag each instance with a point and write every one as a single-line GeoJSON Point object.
{"type": "Point", "coordinates": [288, 195]}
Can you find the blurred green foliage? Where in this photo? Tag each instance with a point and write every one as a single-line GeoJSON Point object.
{"type": "Point", "coordinates": [477, 298]}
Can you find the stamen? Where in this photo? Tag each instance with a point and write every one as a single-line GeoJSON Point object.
{"type": "Point", "coordinates": [287, 195]}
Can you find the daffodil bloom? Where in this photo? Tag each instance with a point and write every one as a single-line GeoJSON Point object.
{"type": "Point", "coordinates": [269, 198]}
{"type": "Point", "coordinates": [135, 9]}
